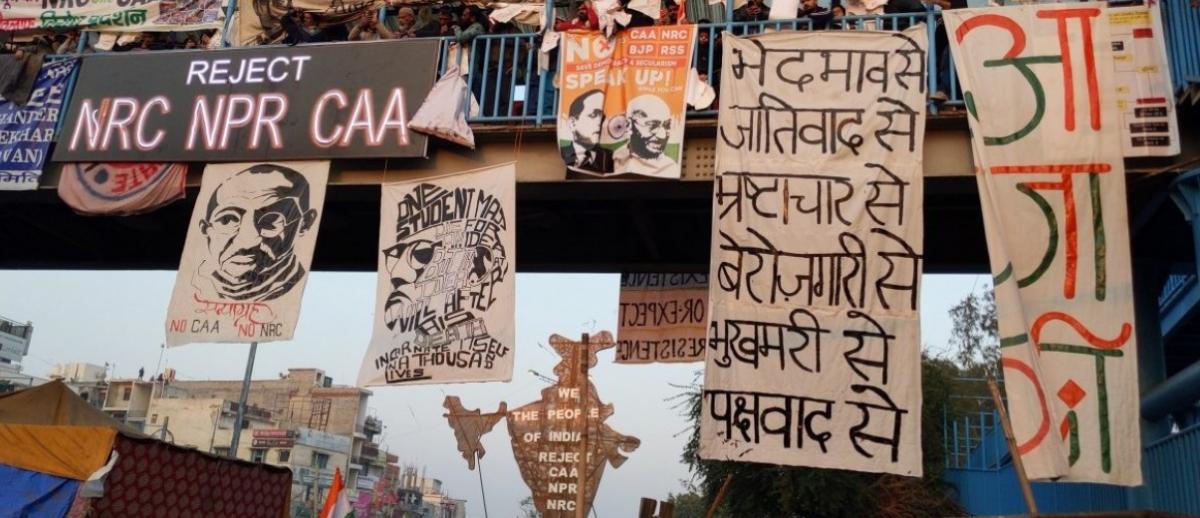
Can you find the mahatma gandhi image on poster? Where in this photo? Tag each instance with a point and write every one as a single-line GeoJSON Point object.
{"type": "Point", "coordinates": [248, 251]}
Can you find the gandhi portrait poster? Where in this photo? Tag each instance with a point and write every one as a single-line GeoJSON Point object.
{"type": "Point", "coordinates": [248, 251]}
{"type": "Point", "coordinates": [445, 298]}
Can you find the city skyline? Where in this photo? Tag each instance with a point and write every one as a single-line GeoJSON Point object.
{"type": "Point", "coordinates": [126, 329]}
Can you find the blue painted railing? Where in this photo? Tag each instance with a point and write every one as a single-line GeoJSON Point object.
{"type": "Point", "coordinates": [979, 465]}
{"type": "Point", "coordinates": [1181, 24]}
{"type": "Point", "coordinates": [505, 80]}
{"type": "Point", "coordinates": [971, 439]}
{"type": "Point", "coordinates": [1171, 469]}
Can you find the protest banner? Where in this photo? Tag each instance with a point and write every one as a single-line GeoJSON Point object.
{"type": "Point", "coordinates": [561, 442]}
{"type": "Point", "coordinates": [121, 189]}
{"type": "Point", "coordinates": [1142, 82]}
{"type": "Point", "coordinates": [251, 104]}
{"type": "Point", "coordinates": [248, 253]}
{"type": "Point", "coordinates": [445, 301]}
{"type": "Point", "coordinates": [622, 103]}
{"type": "Point", "coordinates": [27, 131]}
{"type": "Point", "coordinates": [118, 15]}
{"type": "Point", "coordinates": [814, 350]}
{"type": "Point", "coordinates": [258, 21]}
{"type": "Point", "coordinates": [1043, 121]}
{"type": "Point", "coordinates": [662, 318]}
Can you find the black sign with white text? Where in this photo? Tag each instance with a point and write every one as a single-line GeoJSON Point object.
{"type": "Point", "coordinates": [341, 100]}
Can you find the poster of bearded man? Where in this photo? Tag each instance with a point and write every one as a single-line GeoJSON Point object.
{"type": "Point", "coordinates": [248, 251]}
{"type": "Point", "coordinates": [445, 308]}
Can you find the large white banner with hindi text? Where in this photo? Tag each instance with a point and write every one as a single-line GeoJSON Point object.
{"type": "Point", "coordinates": [814, 342]}
{"type": "Point", "coordinates": [1046, 134]}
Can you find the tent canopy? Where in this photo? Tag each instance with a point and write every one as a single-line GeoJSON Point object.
{"type": "Point", "coordinates": [52, 404]}
{"type": "Point", "coordinates": [49, 429]}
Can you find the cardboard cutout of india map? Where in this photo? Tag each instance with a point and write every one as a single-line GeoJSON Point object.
{"type": "Point", "coordinates": [551, 434]}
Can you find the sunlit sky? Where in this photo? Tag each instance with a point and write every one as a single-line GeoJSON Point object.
{"type": "Point", "coordinates": [117, 317]}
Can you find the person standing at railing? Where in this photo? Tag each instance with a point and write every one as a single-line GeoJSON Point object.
{"type": "Point", "coordinates": [585, 18]}
{"type": "Point", "coordinates": [444, 26]}
{"type": "Point", "coordinates": [911, 7]}
{"type": "Point", "coordinates": [302, 27]}
{"type": "Point", "coordinates": [811, 10]}
{"type": "Point", "coordinates": [626, 16]}
{"type": "Point", "coordinates": [368, 28]}
{"type": "Point", "coordinates": [668, 14]}
{"type": "Point", "coordinates": [753, 11]}
{"type": "Point", "coordinates": [469, 25]}
{"type": "Point", "coordinates": [403, 24]}
{"type": "Point", "coordinates": [838, 12]}
{"type": "Point", "coordinates": [69, 42]}
{"type": "Point", "coordinates": [708, 67]}
{"type": "Point", "coordinates": [942, 43]}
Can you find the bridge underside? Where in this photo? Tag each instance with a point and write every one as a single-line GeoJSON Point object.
{"type": "Point", "coordinates": [563, 224]}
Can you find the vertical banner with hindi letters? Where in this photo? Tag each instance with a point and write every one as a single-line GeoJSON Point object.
{"type": "Point", "coordinates": [445, 302]}
{"type": "Point", "coordinates": [814, 343]}
{"type": "Point", "coordinates": [663, 318]}
{"type": "Point", "coordinates": [27, 131]}
{"type": "Point", "coordinates": [248, 251]}
{"type": "Point", "coordinates": [622, 102]}
{"type": "Point", "coordinates": [1046, 138]}
{"type": "Point", "coordinates": [1142, 82]}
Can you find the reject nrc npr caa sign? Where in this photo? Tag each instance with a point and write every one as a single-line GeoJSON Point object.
{"type": "Point", "coordinates": [343, 100]}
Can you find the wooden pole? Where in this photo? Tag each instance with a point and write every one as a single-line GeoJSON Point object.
{"type": "Point", "coordinates": [647, 508]}
{"type": "Point", "coordinates": [582, 479]}
{"type": "Point", "coordinates": [712, 509]}
{"type": "Point", "coordinates": [666, 510]}
{"type": "Point", "coordinates": [1018, 464]}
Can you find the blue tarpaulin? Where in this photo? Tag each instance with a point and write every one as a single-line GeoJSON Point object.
{"type": "Point", "coordinates": [29, 493]}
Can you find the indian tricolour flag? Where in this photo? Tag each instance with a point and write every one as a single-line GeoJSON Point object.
{"type": "Point", "coordinates": [337, 505]}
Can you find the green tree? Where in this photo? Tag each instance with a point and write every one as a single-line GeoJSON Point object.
{"type": "Point", "coordinates": [784, 491]}
{"type": "Point", "coordinates": [691, 505]}
{"type": "Point", "coordinates": [974, 334]}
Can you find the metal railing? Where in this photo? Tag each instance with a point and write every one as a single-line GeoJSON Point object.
{"type": "Point", "coordinates": [1174, 285]}
{"type": "Point", "coordinates": [502, 73]}
{"type": "Point", "coordinates": [1172, 472]}
{"type": "Point", "coordinates": [1181, 27]}
{"type": "Point", "coordinates": [971, 437]}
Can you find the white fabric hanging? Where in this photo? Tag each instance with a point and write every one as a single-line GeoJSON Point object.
{"type": "Point", "coordinates": [442, 114]}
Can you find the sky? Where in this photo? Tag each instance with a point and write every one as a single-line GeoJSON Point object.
{"type": "Point", "coordinates": [117, 317]}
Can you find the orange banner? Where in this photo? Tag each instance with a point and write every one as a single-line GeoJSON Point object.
{"type": "Point", "coordinates": [622, 104]}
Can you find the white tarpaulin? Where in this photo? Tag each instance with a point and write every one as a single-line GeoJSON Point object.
{"type": "Point", "coordinates": [814, 341]}
{"type": "Point", "coordinates": [445, 302]}
{"type": "Point", "coordinates": [248, 251]}
{"type": "Point", "coordinates": [1046, 139]}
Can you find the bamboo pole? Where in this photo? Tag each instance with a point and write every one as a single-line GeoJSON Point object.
{"type": "Point", "coordinates": [582, 479]}
{"type": "Point", "coordinates": [712, 509]}
{"type": "Point", "coordinates": [1018, 464]}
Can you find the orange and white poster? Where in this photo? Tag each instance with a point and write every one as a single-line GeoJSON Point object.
{"type": "Point", "coordinates": [623, 101]}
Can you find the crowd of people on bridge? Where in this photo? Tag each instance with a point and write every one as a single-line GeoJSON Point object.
{"type": "Point", "coordinates": [462, 23]}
